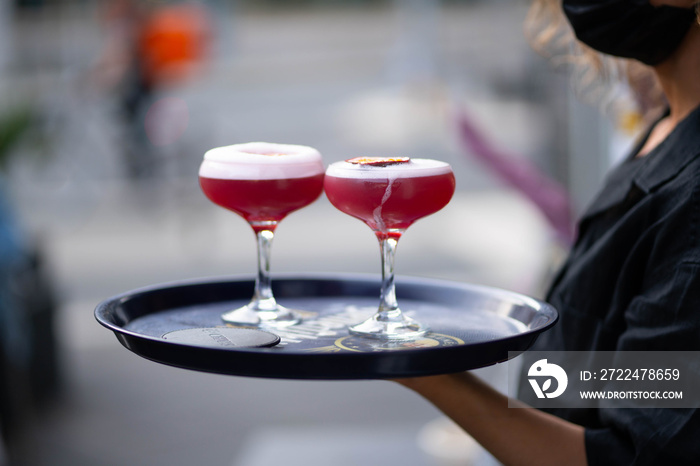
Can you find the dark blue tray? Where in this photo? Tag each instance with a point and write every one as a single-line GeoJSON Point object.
{"type": "Point", "coordinates": [471, 326]}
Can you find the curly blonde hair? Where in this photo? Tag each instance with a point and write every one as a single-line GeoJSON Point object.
{"type": "Point", "coordinates": [596, 76]}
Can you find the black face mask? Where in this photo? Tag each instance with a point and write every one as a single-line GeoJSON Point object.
{"type": "Point", "coordinates": [629, 28]}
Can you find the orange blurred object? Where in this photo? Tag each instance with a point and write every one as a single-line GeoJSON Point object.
{"type": "Point", "coordinates": [173, 43]}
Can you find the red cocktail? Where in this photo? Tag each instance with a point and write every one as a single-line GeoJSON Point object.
{"type": "Point", "coordinates": [389, 194]}
{"type": "Point", "coordinates": [263, 183]}
{"type": "Point", "coordinates": [263, 201]}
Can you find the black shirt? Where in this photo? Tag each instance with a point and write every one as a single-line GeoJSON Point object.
{"type": "Point", "coordinates": [632, 283]}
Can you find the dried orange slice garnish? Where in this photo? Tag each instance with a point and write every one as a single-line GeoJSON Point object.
{"type": "Point", "coordinates": [378, 161]}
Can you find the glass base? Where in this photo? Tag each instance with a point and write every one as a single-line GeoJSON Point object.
{"type": "Point", "coordinates": [279, 317]}
{"type": "Point", "coordinates": [400, 328]}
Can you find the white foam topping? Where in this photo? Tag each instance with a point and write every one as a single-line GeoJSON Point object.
{"type": "Point", "coordinates": [261, 161]}
{"type": "Point", "coordinates": [413, 168]}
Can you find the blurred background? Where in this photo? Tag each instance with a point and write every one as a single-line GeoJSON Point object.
{"type": "Point", "coordinates": [106, 108]}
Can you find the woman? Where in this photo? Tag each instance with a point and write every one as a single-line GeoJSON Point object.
{"type": "Point", "coordinates": [632, 281]}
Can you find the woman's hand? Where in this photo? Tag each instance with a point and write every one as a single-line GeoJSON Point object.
{"type": "Point", "coordinates": [515, 436]}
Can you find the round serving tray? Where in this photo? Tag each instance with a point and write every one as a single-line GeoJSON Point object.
{"type": "Point", "coordinates": [471, 326]}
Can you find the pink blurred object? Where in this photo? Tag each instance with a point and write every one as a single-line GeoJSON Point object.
{"type": "Point", "coordinates": [546, 194]}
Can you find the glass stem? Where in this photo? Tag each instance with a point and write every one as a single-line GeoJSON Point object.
{"type": "Point", "coordinates": [388, 307]}
{"type": "Point", "coordinates": [262, 298]}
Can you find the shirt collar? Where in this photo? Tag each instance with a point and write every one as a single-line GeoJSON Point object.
{"type": "Point", "coordinates": [657, 167]}
{"type": "Point", "coordinates": [680, 148]}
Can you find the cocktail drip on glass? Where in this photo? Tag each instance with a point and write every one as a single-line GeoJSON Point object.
{"type": "Point", "coordinates": [389, 194]}
{"type": "Point", "coordinates": [263, 183]}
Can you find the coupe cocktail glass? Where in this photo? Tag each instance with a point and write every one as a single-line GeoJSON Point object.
{"type": "Point", "coordinates": [389, 194]}
{"type": "Point", "coordinates": [263, 183]}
